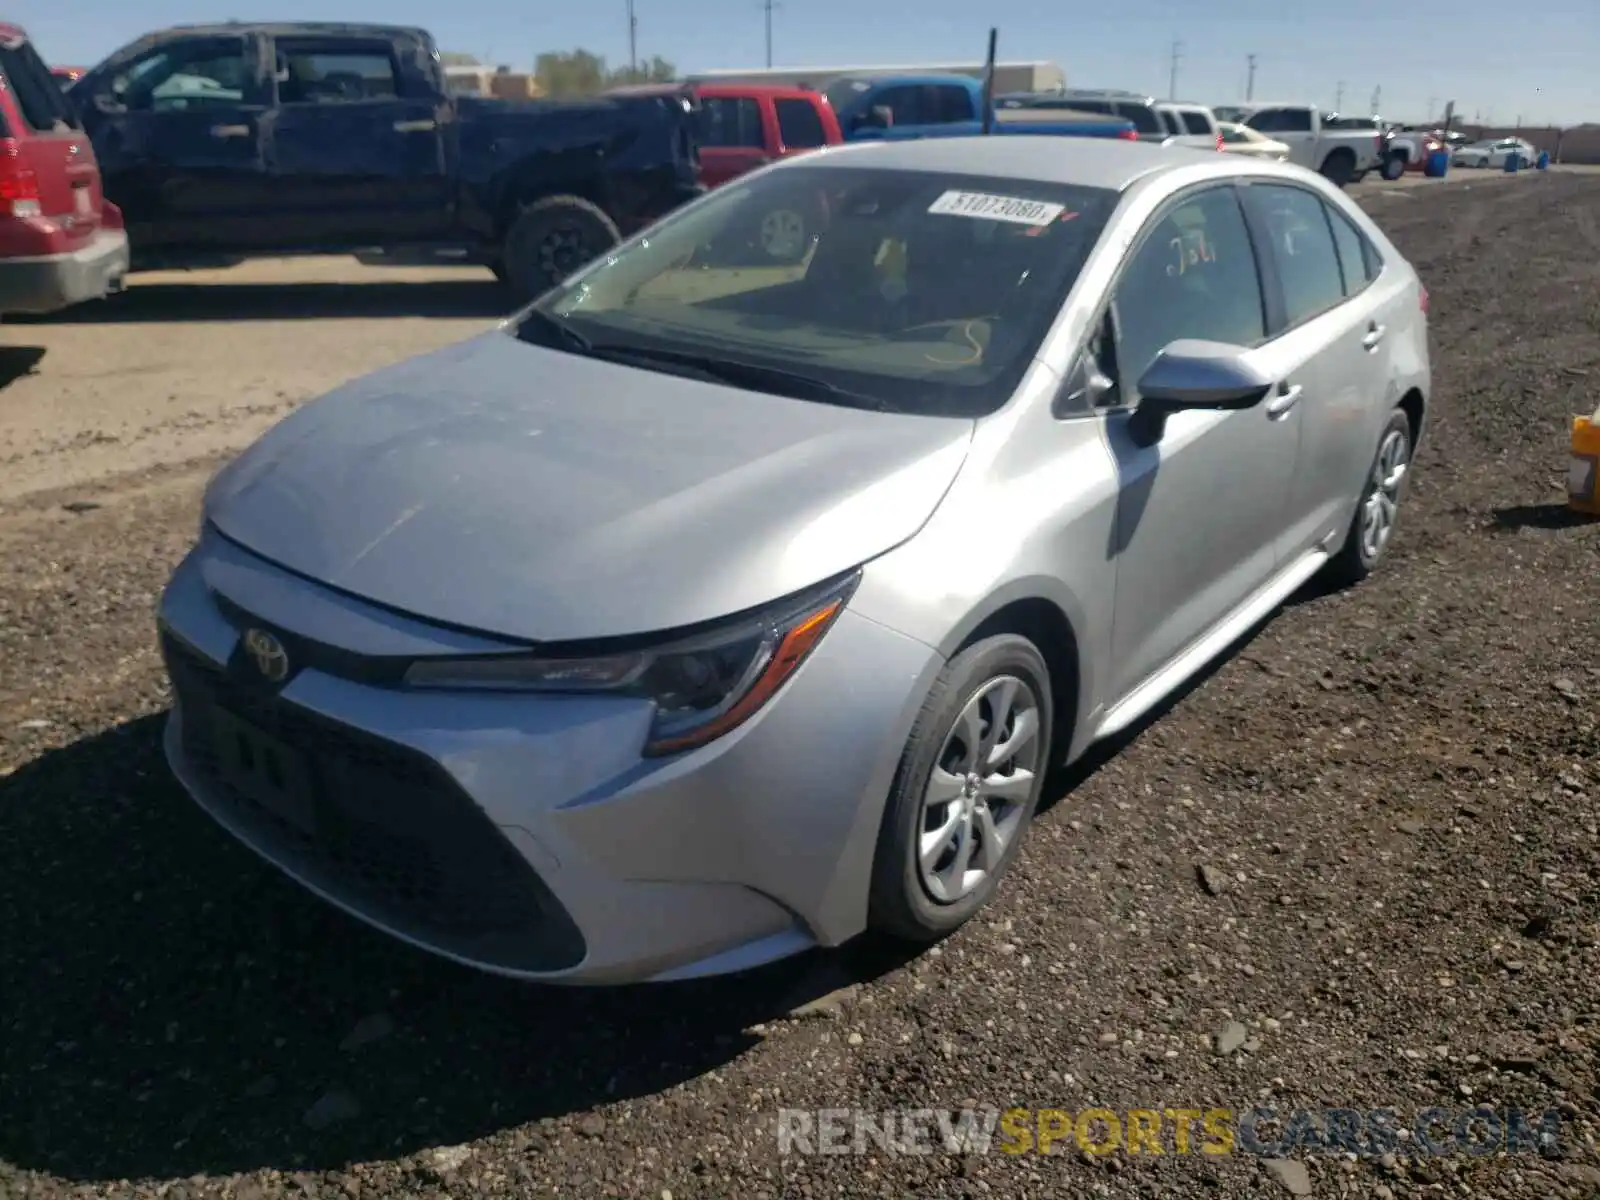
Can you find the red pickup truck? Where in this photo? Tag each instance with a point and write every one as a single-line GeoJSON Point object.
{"type": "Point", "coordinates": [743, 126]}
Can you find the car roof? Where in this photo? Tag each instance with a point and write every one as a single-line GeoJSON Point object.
{"type": "Point", "coordinates": [1084, 162]}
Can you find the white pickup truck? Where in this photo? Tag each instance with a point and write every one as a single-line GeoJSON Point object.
{"type": "Point", "coordinates": [1342, 148]}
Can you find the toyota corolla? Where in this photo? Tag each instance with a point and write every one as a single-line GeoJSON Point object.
{"type": "Point", "coordinates": [700, 614]}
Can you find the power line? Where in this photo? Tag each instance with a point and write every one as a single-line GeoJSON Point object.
{"type": "Point", "coordinates": [1250, 79]}
{"type": "Point", "coordinates": [1172, 71]}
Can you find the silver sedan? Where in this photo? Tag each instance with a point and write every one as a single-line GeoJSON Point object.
{"type": "Point", "coordinates": [701, 614]}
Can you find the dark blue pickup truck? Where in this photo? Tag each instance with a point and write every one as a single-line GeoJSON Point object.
{"type": "Point", "coordinates": [225, 142]}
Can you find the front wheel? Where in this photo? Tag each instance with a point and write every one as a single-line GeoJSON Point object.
{"type": "Point", "coordinates": [965, 792]}
{"type": "Point", "coordinates": [1339, 167]}
{"type": "Point", "coordinates": [1379, 507]}
{"type": "Point", "coordinates": [1394, 166]}
{"type": "Point", "coordinates": [552, 238]}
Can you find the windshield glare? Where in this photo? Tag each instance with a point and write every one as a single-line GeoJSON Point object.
{"type": "Point", "coordinates": [928, 292]}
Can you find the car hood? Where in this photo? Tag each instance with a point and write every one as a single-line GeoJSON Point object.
{"type": "Point", "coordinates": [544, 496]}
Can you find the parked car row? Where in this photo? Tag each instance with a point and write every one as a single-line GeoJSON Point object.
{"type": "Point", "coordinates": [1494, 152]}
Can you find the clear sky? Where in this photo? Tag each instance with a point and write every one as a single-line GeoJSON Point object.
{"type": "Point", "coordinates": [1537, 60]}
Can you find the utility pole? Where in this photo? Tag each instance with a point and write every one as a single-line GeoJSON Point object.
{"type": "Point", "coordinates": [1338, 97]}
{"type": "Point", "coordinates": [633, 43]}
{"type": "Point", "coordinates": [1172, 71]}
{"type": "Point", "coordinates": [1432, 100]}
{"type": "Point", "coordinates": [1250, 78]}
{"type": "Point", "coordinates": [768, 6]}
{"type": "Point", "coordinates": [1377, 95]}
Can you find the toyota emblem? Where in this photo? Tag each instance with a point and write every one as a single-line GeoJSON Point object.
{"type": "Point", "coordinates": [271, 659]}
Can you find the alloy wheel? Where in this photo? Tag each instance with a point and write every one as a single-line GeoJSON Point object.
{"type": "Point", "coordinates": [979, 788]}
{"type": "Point", "coordinates": [1382, 505]}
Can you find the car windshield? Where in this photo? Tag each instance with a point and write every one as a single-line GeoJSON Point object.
{"type": "Point", "coordinates": [908, 291]}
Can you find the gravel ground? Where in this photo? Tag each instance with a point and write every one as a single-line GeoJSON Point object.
{"type": "Point", "coordinates": [1391, 793]}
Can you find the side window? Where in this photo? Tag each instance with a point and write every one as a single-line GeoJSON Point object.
{"type": "Point", "coordinates": [948, 105]}
{"type": "Point", "coordinates": [906, 105]}
{"type": "Point", "coordinates": [1302, 248]}
{"type": "Point", "coordinates": [1296, 120]}
{"type": "Point", "coordinates": [1354, 254]}
{"type": "Point", "coordinates": [312, 74]}
{"type": "Point", "coordinates": [730, 121]}
{"type": "Point", "coordinates": [1193, 276]}
{"type": "Point", "coordinates": [799, 126]}
{"type": "Point", "coordinates": [1169, 120]}
{"type": "Point", "coordinates": [1197, 123]}
{"type": "Point", "coordinates": [1104, 107]}
{"type": "Point", "coordinates": [1268, 120]}
{"type": "Point", "coordinates": [37, 92]}
{"type": "Point", "coordinates": [1143, 117]}
{"type": "Point", "coordinates": [189, 76]}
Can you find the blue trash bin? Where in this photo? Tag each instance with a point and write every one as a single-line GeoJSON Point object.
{"type": "Point", "coordinates": [1438, 164]}
{"type": "Point", "coordinates": [1544, 160]}
{"type": "Point", "coordinates": [1513, 163]}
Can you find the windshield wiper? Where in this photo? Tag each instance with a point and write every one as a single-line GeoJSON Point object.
{"type": "Point", "coordinates": [743, 374]}
{"type": "Point", "coordinates": [565, 335]}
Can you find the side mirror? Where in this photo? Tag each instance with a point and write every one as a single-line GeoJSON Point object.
{"type": "Point", "coordinates": [1194, 374]}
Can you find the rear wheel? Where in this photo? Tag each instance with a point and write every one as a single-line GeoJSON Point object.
{"type": "Point", "coordinates": [551, 239]}
{"type": "Point", "coordinates": [965, 792]}
{"type": "Point", "coordinates": [1379, 508]}
{"type": "Point", "coordinates": [1339, 168]}
{"type": "Point", "coordinates": [1395, 165]}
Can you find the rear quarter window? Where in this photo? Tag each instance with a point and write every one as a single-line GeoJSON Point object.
{"type": "Point", "coordinates": [1143, 117]}
{"type": "Point", "coordinates": [39, 97]}
{"type": "Point", "coordinates": [1198, 123]}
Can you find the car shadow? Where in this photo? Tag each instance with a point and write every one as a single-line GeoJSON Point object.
{"type": "Point", "coordinates": [156, 302]}
{"type": "Point", "coordinates": [175, 1006]}
{"type": "Point", "coordinates": [1540, 516]}
{"type": "Point", "coordinates": [17, 361]}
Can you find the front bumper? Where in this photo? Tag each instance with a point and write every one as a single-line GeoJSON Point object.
{"type": "Point", "coordinates": [50, 282]}
{"type": "Point", "coordinates": [523, 834]}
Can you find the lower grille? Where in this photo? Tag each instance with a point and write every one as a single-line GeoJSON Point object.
{"type": "Point", "coordinates": [383, 828]}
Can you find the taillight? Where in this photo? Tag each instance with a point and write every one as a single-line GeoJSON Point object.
{"type": "Point", "coordinates": [19, 186]}
{"type": "Point", "coordinates": [1219, 141]}
{"type": "Point", "coordinates": [1129, 135]}
{"type": "Point", "coordinates": [1422, 298]}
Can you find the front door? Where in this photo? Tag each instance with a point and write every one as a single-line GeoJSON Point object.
{"type": "Point", "coordinates": [1199, 513]}
{"type": "Point", "coordinates": [179, 135]}
{"type": "Point", "coordinates": [734, 137]}
{"type": "Point", "coordinates": [358, 147]}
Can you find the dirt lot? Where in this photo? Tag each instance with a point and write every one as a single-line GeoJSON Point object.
{"type": "Point", "coordinates": [1392, 792]}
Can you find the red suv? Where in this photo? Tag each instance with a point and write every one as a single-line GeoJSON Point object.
{"type": "Point", "coordinates": [60, 241]}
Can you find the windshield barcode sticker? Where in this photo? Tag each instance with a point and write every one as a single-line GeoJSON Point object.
{"type": "Point", "coordinates": [996, 208]}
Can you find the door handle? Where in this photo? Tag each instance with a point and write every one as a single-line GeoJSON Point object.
{"type": "Point", "coordinates": [1286, 399]}
{"type": "Point", "coordinates": [230, 131]}
{"type": "Point", "coordinates": [1374, 336]}
{"type": "Point", "coordinates": [422, 126]}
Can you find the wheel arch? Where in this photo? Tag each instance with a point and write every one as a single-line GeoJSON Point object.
{"type": "Point", "coordinates": [1049, 616]}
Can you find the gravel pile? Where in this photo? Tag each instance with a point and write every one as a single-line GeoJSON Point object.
{"type": "Point", "coordinates": [1358, 866]}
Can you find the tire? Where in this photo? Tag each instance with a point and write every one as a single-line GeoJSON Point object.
{"type": "Point", "coordinates": [552, 238]}
{"type": "Point", "coordinates": [1339, 168]}
{"type": "Point", "coordinates": [1360, 554]}
{"type": "Point", "coordinates": [906, 901]}
{"type": "Point", "coordinates": [1394, 165]}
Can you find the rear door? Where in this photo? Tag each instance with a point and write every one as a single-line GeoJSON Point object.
{"type": "Point", "coordinates": [357, 153]}
{"type": "Point", "coordinates": [51, 145]}
{"type": "Point", "coordinates": [734, 137]}
{"type": "Point", "coordinates": [1292, 127]}
{"type": "Point", "coordinates": [1331, 333]}
{"type": "Point", "coordinates": [178, 132]}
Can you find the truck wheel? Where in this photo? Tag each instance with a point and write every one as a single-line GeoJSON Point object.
{"type": "Point", "coordinates": [552, 238]}
{"type": "Point", "coordinates": [1339, 167]}
{"type": "Point", "coordinates": [1394, 166]}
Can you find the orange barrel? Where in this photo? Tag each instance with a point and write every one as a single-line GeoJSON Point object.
{"type": "Point", "coordinates": [1583, 475]}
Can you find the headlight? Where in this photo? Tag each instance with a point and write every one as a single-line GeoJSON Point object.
{"type": "Point", "coordinates": [703, 685]}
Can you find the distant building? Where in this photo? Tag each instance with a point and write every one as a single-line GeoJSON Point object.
{"type": "Point", "coordinates": [1008, 77]}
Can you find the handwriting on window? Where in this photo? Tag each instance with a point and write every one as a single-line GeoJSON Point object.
{"type": "Point", "coordinates": [1190, 250]}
